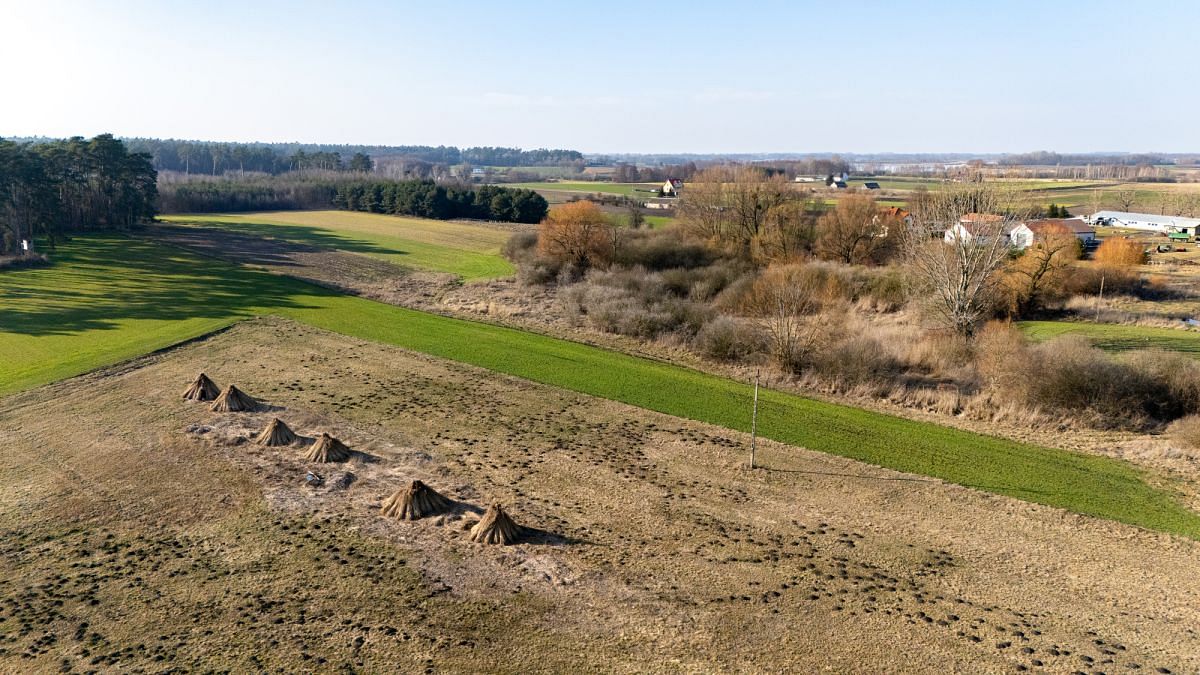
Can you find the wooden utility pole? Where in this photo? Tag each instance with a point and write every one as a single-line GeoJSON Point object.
{"type": "Point", "coordinates": [1100, 300]}
{"type": "Point", "coordinates": [754, 423]}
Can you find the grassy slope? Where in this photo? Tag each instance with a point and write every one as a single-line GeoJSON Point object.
{"type": "Point", "coordinates": [471, 251]}
{"type": "Point", "coordinates": [109, 299]}
{"type": "Point", "coordinates": [1114, 337]}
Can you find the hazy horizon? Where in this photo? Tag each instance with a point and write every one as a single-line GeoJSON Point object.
{"type": "Point", "coordinates": [804, 78]}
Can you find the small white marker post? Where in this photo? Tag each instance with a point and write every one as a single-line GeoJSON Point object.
{"type": "Point", "coordinates": [754, 423]}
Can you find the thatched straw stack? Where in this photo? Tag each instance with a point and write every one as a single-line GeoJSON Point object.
{"type": "Point", "coordinates": [233, 400]}
{"type": "Point", "coordinates": [415, 501]}
{"type": "Point", "coordinates": [327, 449]}
{"type": "Point", "coordinates": [201, 389]}
{"type": "Point", "coordinates": [276, 433]}
{"type": "Point", "coordinates": [495, 527]}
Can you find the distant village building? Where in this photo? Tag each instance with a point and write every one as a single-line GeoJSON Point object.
{"type": "Point", "coordinates": [672, 187]}
{"type": "Point", "coordinates": [968, 228]}
{"type": "Point", "coordinates": [888, 215]}
{"type": "Point", "coordinates": [899, 214]}
{"type": "Point", "coordinates": [1025, 234]}
{"type": "Point", "coordinates": [1146, 221]}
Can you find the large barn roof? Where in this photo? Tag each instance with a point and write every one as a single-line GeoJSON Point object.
{"type": "Point", "coordinates": [1165, 221]}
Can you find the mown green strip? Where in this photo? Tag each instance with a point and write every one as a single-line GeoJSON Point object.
{"type": "Point", "coordinates": [1118, 337]}
{"type": "Point", "coordinates": [108, 299]}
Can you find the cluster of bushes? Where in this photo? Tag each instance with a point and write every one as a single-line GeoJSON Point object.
{"type": "Point", "coordinates": [426, 199]}
{"type": "Point", "coordinates": [1141, 390]}
{"type": "Point", "coordinates": [648, 303]}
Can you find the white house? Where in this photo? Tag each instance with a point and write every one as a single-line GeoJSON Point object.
{"type": "Point", "coordinates": [838, 185]}
{"type": "Point", "coordinates": [672, 187]}
{"type": "Point", "coordinates": [1146, 221]}
{"type": "Point", "coordinates": [1024, 234]}
{"type": "Point", "coordinates": [967, 229]}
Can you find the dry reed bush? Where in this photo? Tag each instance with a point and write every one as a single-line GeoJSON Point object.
{"type": "Point", "coordinates": [1186, 430]}
{"type": "Point", "coordinates": [1002, 358]}
{"type": "Point", "coordinates": [1086, 280]}
{"type": "Point", "coordinates": [1120, 253]}
{"type": "Point", "coordinates": [729, 339]}
{"type": "Point", "coordinates": [661, 250]}
{"type": "Point", "coordinates": [939, 354]}
{"type": "Point", "coordinates": [633, 302]}
{"type": "Point", "coordinates": [1177, 379]}
{"type": "Point", "coordinates": [856, 360]}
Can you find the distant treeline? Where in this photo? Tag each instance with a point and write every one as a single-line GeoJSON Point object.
{"type": "Point", "coordinates": [49, 188]}
{"type": "Point", "coordinates": [1044, 158]}
{"type": "Point", "coordinates": [329, 189]}
{"type": "Point", "coordinates": [215, 159]}
{"type": "Point", "coordinates": [258, 192]}
{"type": "Point", "coordinates": [427, 199]}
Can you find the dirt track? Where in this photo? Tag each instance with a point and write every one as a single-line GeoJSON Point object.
{"type": "Point", "coordinates": [653, 549]}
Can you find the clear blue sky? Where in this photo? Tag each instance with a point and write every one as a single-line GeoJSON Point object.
{"type": "Point", "coordinates": [850, 76]}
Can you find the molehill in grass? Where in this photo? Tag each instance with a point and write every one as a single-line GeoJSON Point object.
{"type": "Point", "coordinates": [327, 449]}
{"type": "Point", "coordinates": [234, 400]}
{"type": "Point", "coordinates": [276, 433]}
{"type": "Point", "coordinates": [201, 389]}
{"type": "Point", "coordinates": [415, 501]}
{"type": "Point", "coordinates": [495, 527]}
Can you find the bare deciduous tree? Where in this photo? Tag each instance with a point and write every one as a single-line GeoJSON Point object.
{"type": "Point", "coordinates": [955, 277]}
{"type": "Point", "coordinates": [782, 298]}
{"type": "Point", "coordinates": [729, 205]}
{"type": "Point", "coordinates": [855, 231]}
{"type": "Point", "coordinates": [1042, 267]}
{"type": "Point", "coordinates": [1126, 199]}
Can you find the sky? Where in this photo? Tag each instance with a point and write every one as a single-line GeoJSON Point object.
{"type": "Point", "coordinates": [640, 77]}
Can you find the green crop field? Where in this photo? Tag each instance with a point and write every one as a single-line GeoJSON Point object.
{"type": "Point", "coordinates": [1117, 337]}
{"type": "Point", "coordinates": [109, 298]}
{"type": "Point", "coordinates": [468, 250]}
{"type": "Point", "coordinates": [626, 189]}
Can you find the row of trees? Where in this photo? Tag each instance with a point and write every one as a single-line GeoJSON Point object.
{"type": "Point", "coordinates": [50, 188]}
{"type": "Point", "coordinates": [215, 159]}
{"type": "Point", "coordinates": [427, 199]}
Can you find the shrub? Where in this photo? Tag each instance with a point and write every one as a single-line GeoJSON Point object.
{"type": "Point", "coordinates": [520, 247]}
{"type": "Point", "coordinates": [1186, 430]}
{"type": "Point", "coordinates": [727, 339]}
{"type": "Point", "coordinates": [661, 250]}
{"type": "Point", "coordinates": [858, 359]}
{"type": "Point", "coordinates": [1121, 252]}
{"type": "Point", "coordinates": [1002, 358]}
{"type": "Point", "coordinates": [539, 271]}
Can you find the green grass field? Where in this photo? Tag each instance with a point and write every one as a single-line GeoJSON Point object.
{"type": "Point", "coordinates": [626, 189]}
{"type": "Point", "coordinates": [108, 298]}
{"type": "Point", "coordinates": [468, 250]}
{"type": "Point", "coordinates": [1116, 337]}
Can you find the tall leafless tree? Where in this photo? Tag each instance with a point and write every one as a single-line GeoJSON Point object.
{"type": "Point", "coordinates": [955, 278]}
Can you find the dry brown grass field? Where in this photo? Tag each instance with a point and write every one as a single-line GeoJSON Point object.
{"type": "Point", "coordinates": [144, 533]}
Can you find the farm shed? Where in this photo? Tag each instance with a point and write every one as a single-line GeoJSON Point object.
{"type": "Point", "coordinates": [1145, 221]}
{"type": "Point", "coordinates": [871, 185]}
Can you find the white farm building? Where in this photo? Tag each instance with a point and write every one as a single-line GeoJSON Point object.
{"type": "Point", "coordinates": [1146, 221]}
